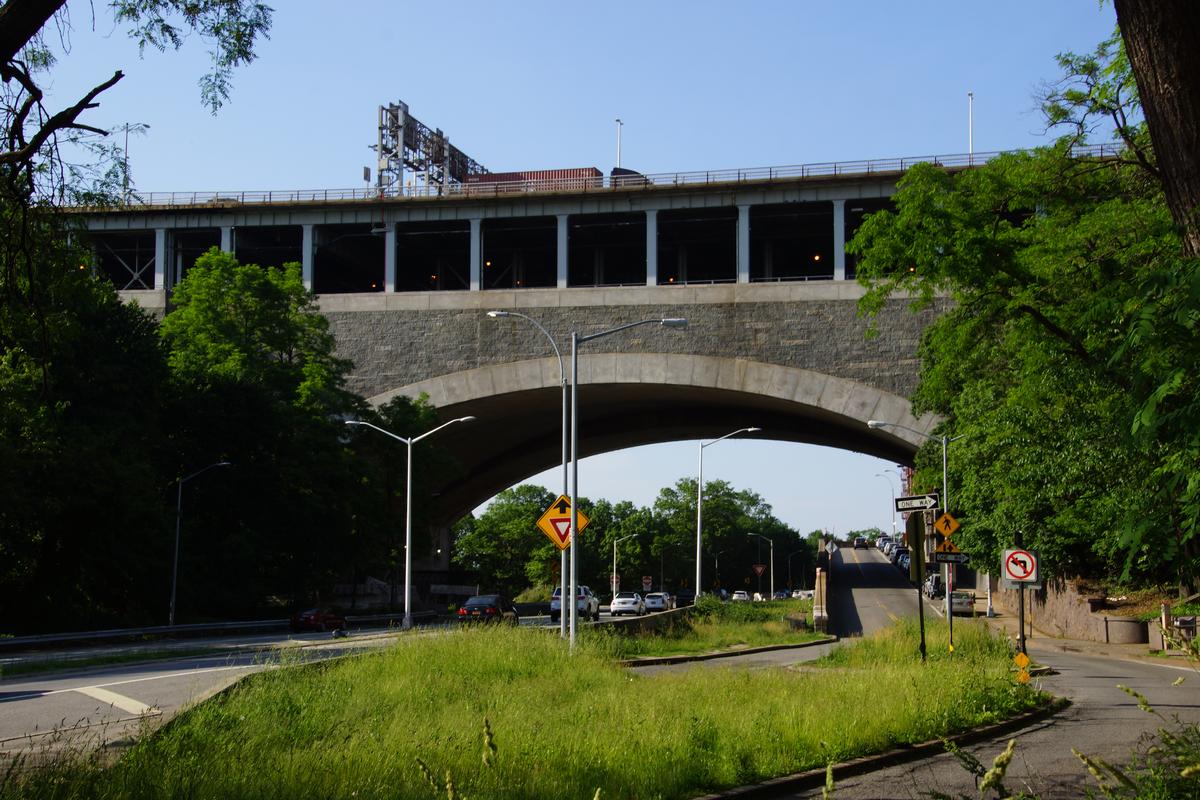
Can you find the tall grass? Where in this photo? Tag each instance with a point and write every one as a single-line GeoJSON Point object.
{"type": "Point", "coordinates": [402, 723]}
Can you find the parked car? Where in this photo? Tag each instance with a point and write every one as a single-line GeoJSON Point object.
{"type": "Point", "coordinates": [627, 603]}
{"type": "Point", "coordinates": [587, 603]}
{"type": "Point", "coordinates": [780, 595]}
{"type": "Point", "coordinates": [903, 561]}
{"type": "Point", "coordinates": [802, 594]}
{"type": "Point", "coordinates": [685, 597]}
{"type": "Point", "coordinates": [962, 602]}
{"type": "Point", "coordinates": [860, 543]}
{"type": "Point", "coordinates": [318, 619]}
{"type": "Point", "coordinates": [882, 541]}
{"type": "Point", "coordinates": [740, 597]}
{"type": "Point", "coordinates": [758, 597]}
{"type": "Point", "coordinates": [489, 608]}
{"type": "Point", "coordinates": [658, 601]}
{"type": "Point", "coordinates": [934, 587]}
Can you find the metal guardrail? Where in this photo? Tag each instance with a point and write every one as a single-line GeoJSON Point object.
{"type": "Point", "coordinates": [39, 641]}
{"type": "Point", "coordinates": [483, 190]}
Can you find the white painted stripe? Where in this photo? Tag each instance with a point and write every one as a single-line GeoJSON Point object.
{"type": "Point", "coordinates": [126, 704]}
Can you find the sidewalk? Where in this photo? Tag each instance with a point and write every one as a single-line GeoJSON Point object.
{"type": "Point", "coordinates": [1005, 623]}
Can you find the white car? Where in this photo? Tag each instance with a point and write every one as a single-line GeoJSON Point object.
{"type": "Point", "coordinates": [802, 594]}
{"type": "Point", "coordinates": [587, 603]}
{"type": "Point", "coordinates": [740, 597]}
{"type": "Point", "coordinates": [627, 603]}
{"type": "Point", "coordinates": [962, 602]}
{"type": "Point", "coordinates": [658, 601]}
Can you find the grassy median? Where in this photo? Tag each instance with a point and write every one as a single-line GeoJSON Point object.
{"type": "Point", "coordinates": [509, 713]}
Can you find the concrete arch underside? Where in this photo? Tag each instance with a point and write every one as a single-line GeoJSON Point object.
{"type": "Point", "coordinates": [627, 400]}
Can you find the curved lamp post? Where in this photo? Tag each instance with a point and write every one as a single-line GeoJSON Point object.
{"type": "Point", "coordinates": [576, 340]}
{"type": "Point", "coordinates": [178, 526]}
{"type": "Point", "coordinates": [893, 488]}
{"type": "Point", "coordinates": [408, 504]}
{"type": "Point", "coordinates": [613, 579]}
{"type": "Point", "coordinates": [700, 497]}
{"type": "Point", "coordinates": [562, 378]}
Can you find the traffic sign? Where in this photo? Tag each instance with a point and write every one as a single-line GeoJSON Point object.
{"type": "Point", "coordinates": [555, 522]}
{"type": "Point", "coordinates": [1020, 566]}
{"type": "Point", "coordinates": [759, 569]}
{"type": "Point", "coordinates": [946, 525]}
{"type": "Point", "coordinates": [919, 502]}
{"type": "Point", "coordinates": [946, 546]}
{"type": "Point", "coordinates": [951, 558]}
{"type": "Point", "coordinates": [647, 583]}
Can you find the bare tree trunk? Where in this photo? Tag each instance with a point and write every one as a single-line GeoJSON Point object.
{"type": "Point", "coordinates": [1162, 40]}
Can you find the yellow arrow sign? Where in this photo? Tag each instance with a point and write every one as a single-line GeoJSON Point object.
{"type": "Point", "coordinates": [947, 546]}
{"type": "Point", "coordinates": [555, 522]}
{"type": "Point", "coordinates": [946, 525]}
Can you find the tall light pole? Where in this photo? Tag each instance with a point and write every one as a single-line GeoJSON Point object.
{"type": "Point", "coordinates": [970, 127]}
{"type": "Point", "coordinates": [945, 440]}
{"type": "Point", "coordinates": [576, 340]}
{"type": "Point", "coordinates": [613, 580]}
{"type": "Point", "coordinates": [772, 543]}
{"type": "Point", "coordinates": [178, 527]}
{"type": "Point", "coordinates": [700, 497]}
{"type": "Point", "coordinates": [562, 378]}
{"type": "Point", "coordinates": [791, 583]}
{"type": "Point", "coordinates": [619, 126]}
{"type": "Point", "coordinates": [409, 442]}
{"type": "Point", "coordinates": [136, 127]}
{"type": "Point", "coordinates": [893, 488]}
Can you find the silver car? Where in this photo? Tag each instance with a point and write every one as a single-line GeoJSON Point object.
{"type": "Point", "coordinates": [627, 603]}
{"type": "Point", "coordinates": [658, 601]}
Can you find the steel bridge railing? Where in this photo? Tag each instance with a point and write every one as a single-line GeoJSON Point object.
{"type": "Point", "coordinates": [483, 188]}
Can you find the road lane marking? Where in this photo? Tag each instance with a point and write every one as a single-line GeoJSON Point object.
{"type": "Point", "coordinates": [126, 704]}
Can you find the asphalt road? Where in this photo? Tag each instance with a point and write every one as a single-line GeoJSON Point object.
{"type": "Point", "coordinates": [1102, 720]}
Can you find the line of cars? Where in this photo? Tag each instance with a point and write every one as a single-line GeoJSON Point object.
{"type": "Point", "coordinates": [895, 550]}
{"type": "Point", "coordinates": [934, 587]}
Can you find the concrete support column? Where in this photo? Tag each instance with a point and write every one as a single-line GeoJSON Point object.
{"type": "Point", "coordinates": [652, 247]}
{"type": "Point", "coordinates": [476, 254]}
{"type": "Point", "coordinates": [839, 240]}
{"type": "Point", "coordinates": [227, 245]}
{"type": "Point", "coordinates": [160, 259]}
{"type": "Point", "coordinates": [743, 244]}
{"type": "Point", "coordinates": [389, 258]}
{"type": "Point", "coordinates": [561, 250]}
{"type": "Point", "coordinates": [308, 252]}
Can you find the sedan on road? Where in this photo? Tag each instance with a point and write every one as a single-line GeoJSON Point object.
{"type": "Point", "coordinates": [317, 619]}
{"type": "Point", "coordinates": [741, 597]}
{"type": "Point", "coordinates": [627, 603]}
{"type": "Point", "coordinates": [658, 601]}
{"type": "Point", "coordinates": [489, 608]}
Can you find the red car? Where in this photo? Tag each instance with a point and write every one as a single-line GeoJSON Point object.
{"type": "Point", "coordinates": [318, 619]}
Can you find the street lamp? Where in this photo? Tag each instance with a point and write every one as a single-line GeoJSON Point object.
{"type": "Point", "coordinates": [562, 377]}
{"type": "Point", "coordinates": [576, 340]}
{"type": "Point", "coordinates": [791, 584]}
{"type": "Point", "coordinates": [893, 488]}
{"type": "Point", "coordinates": [613, 580]}
{"type": "Point", "coordinates": [700, 497]}
{"type": "Point", "coordinates": [772, 543]}
{"type": "Point", "coordinates": [178, 526]}
{"type": "Point", "coordinates": [409, 442]}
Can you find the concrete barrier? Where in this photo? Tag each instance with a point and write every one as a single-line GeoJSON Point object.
{"type": "Point", "coordinates": [820, 601]}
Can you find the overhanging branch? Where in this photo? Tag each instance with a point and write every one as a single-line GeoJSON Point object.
{"type": "Point", "coordinates": [63, 119]}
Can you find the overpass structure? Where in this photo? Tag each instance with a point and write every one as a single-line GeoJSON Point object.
{"type": "Point", "coordinates": [754, 259]}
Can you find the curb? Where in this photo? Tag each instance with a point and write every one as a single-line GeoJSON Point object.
{"type": "Point", "coordinates": [658, 660]}
{"type": "Point", "coordinates": [815, 778]}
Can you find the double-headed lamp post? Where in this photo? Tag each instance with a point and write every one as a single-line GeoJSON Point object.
{"type": "Point", "coordinates": [772, 543]}
{"type": "Point", "coordinates": [562, 378]}
{"type": "Point", "coordinates": [613, 581]}
{"type": "Point", "coordinates": [700, 498]}
{"type": "Point", "coordinates": [893, 488]}
{"type": "Point", "coordinates": [409, 442]}
{"type": "Point", "coordinates": [178, 526]}
{"type": "Point", "coordinates": [576, 340]}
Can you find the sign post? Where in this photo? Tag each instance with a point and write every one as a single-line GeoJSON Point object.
{"type": "Point", "coordinates": [1020, 569]}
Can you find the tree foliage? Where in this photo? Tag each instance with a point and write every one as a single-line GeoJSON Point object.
{"type": "Point", "coordinates": [1068, 362]}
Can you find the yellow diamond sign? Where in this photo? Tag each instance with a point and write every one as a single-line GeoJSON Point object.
{"type": "Point", "coordinates": [555, 522]}
{"type": "Point", "coordinates": [946, 546]}
{"type": "Point", "coordinates": [1021, 660]}
{"type": "Point", "coordinates": [946, 525]}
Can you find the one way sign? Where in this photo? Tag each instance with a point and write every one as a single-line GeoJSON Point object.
{"type": "Point", "coordinates": [920, 502]}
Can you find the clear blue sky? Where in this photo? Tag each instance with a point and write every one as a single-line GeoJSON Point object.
{"type": "Point", "coordinates": [537, 85]}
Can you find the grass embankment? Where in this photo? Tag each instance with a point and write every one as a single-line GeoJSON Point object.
{"type": "Point", "coordinates": [396, 723]}
{"type": "Point", "coordinates": [714, 625]}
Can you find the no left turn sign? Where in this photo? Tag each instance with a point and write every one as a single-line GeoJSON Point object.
{"type": "Point", "coordinates": [1020, 566]}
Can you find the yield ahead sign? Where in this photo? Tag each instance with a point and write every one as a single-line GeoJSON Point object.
{"type": "Point", "coordinates": [920, 502]}
{"type": "Point", "coordinates": [555, 522]}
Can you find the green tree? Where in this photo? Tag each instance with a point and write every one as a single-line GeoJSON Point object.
{"type": "Point", "coordinates": [1051, 364]}
{"type": "Point", "coordinates": [504, 539]}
